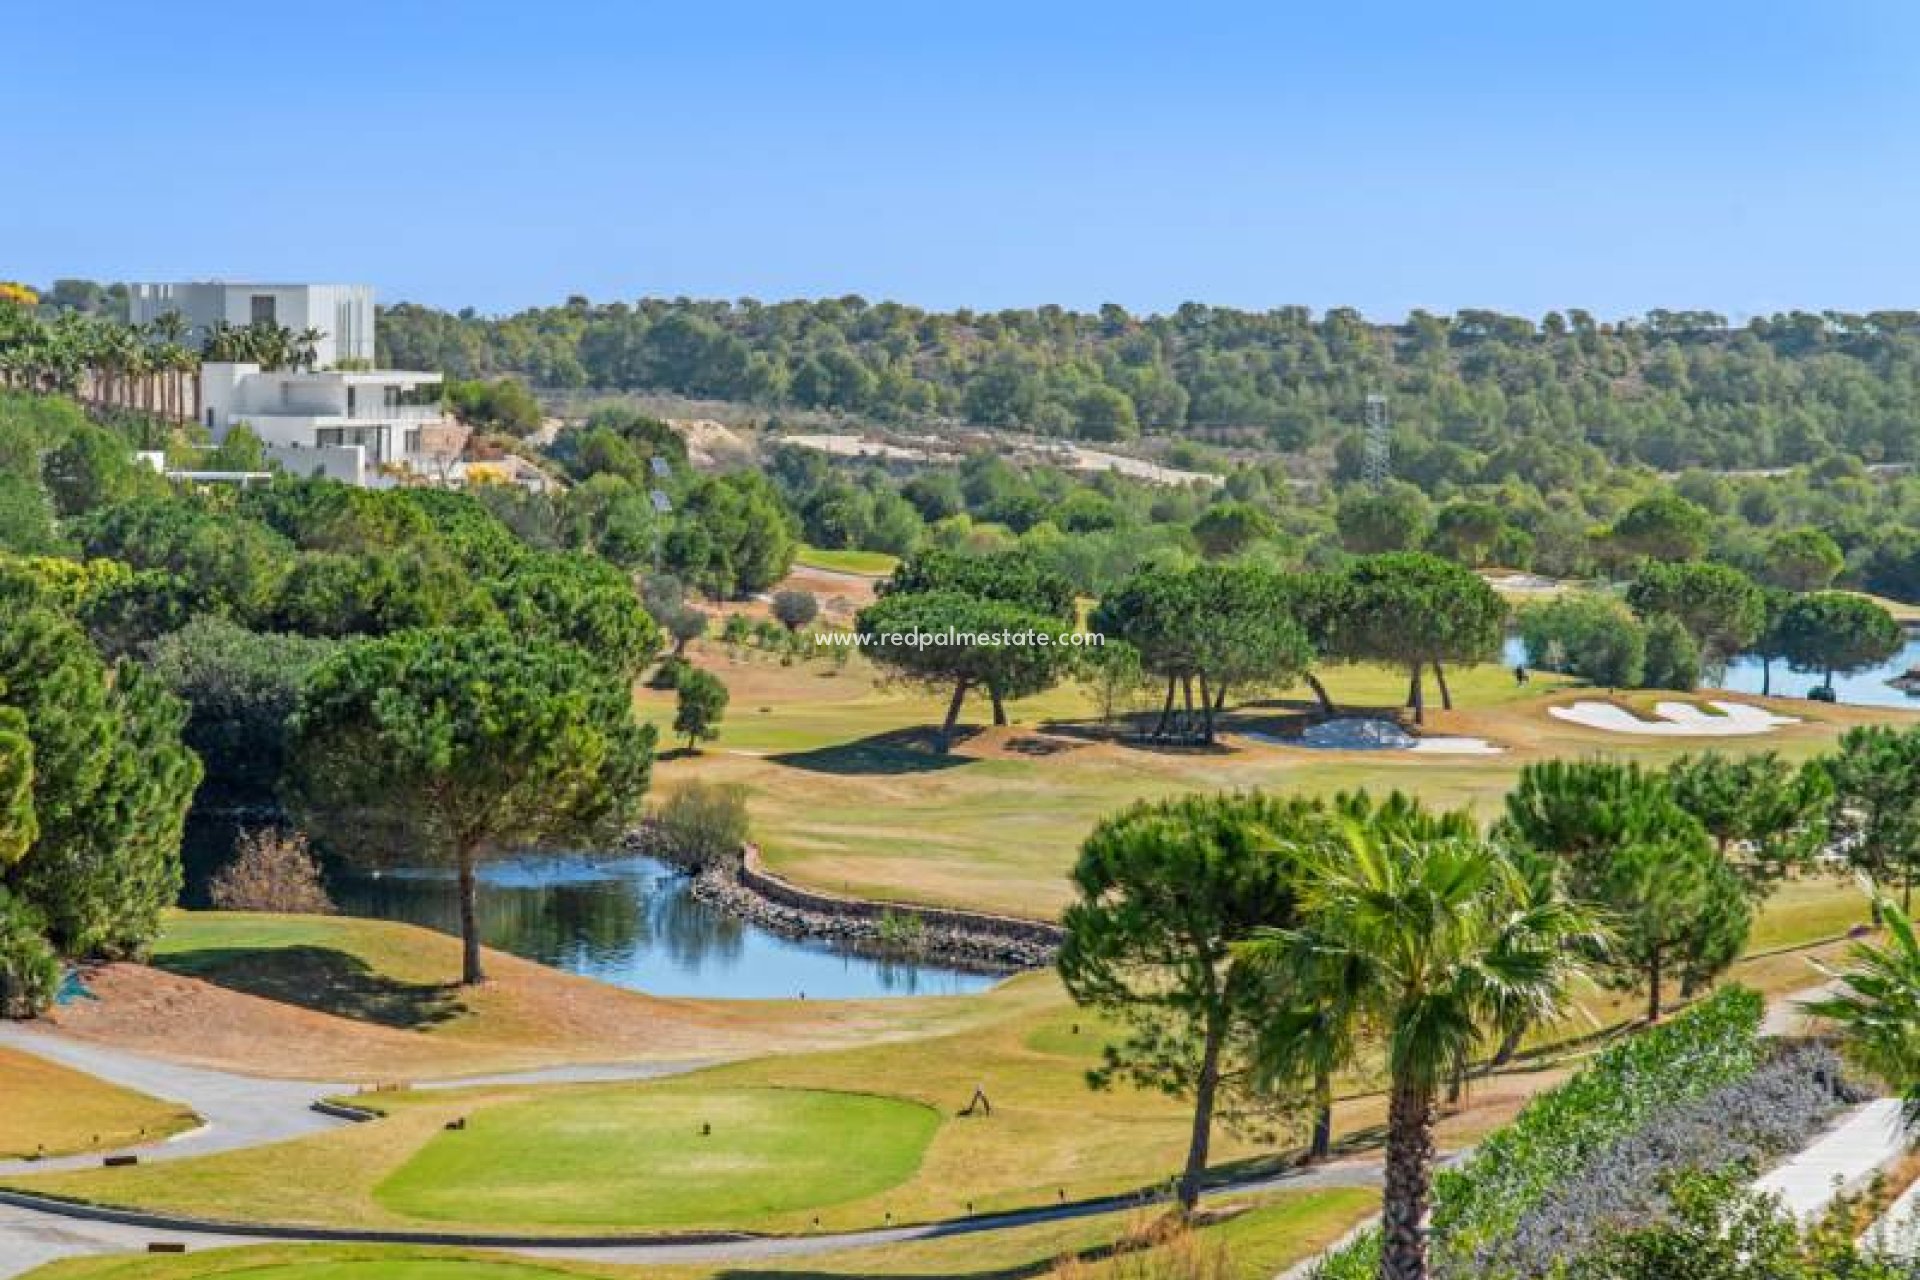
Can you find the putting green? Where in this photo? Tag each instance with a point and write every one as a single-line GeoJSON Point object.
{"type": "Point", "coordinates": [638, 1158]}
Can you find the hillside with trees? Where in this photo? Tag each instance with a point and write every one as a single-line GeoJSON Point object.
{"type": "Point", "coordinates": [1478, 396]}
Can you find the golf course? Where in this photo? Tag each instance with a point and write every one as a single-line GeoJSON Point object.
{"type": "Point", "coordinates": [807, 1118]}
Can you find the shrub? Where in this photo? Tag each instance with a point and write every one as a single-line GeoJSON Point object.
{"type": "Point", "coordinates": [795, 609]}
{"type": "Point", "coordinates": [900, 932]}
{"type": "Point", "coordinates": [1560, 1133]}
{"type": "Point", "coordinates": [667, 674]}
{"type": "Point", "coordinates": [273, 871]}
{"type": "Point", "coordinates": [1673, 659]}
{"type": "Point", "coordinates": [1596, 638]}
{"type": "Point", "coordinates": [29, 970]}
{"type": "Point", "coordinates": [703, 824]}
{"type": "Point", "coordinates": [1722, 1229]}
{"type": "Point", "coordinates": [1746, 1124]}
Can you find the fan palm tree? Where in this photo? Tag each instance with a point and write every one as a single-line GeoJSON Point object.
{"type": "Point", "coordinates": [225, 343]}
{"type": "Point", "coordinates": [305, 348]}
{"type": "Point", "coordinates": [1876, 1005]}
{"type": "Point", "coordinates": [1443, 943]}
{"type": "Point", "coordinates": [1316, 1032]}
{"type": "Point", "coordinates": [168, 334]}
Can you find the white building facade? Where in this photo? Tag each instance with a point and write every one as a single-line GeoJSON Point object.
{"type": "Point", "coordinates": [342, 313]}
{"type": "Point", "coordinates": [363, 427]}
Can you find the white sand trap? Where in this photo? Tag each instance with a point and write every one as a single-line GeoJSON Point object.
{"type": "Point", "coordinates": [1456, 747]}
{"type": "Point", "coordinates": [1677, 719]}
{"type": "Point", "coordinates": [1356, 734]}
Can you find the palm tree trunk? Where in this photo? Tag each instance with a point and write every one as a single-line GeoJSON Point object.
{"type": "Point", "coordinates": [1766, 677]}
{"type": "Point", "coordinates": [1166, 712]}
{"type": "Point", "coordinates": [1206, 711]}
{"type": "Point", "coordinates": [1321, 1144]}
{"type": "Point", "coordinates": [1203, 1095]}
{"type": "Point", "coordinates": [1417, 695]}
{"type": "Point", "coordinates": [1446, 694]}
{"type": "Point", "coordinates": [470, 970]}
{"type": "Point", "coordinates": [999, 705]}
{"type": "Point", "coordinates": [1403, 1213]}
{"type": "Point", "coordinates": [1186, 707]}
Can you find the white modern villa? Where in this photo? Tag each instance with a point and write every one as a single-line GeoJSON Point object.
{"type": "Point", "coordinates": [341, 313]}
{"type": "Point", "coordinates": [358, 424]}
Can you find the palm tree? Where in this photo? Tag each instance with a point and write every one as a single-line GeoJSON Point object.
{"type": "Point", "coordinates": [225, 343]}
{"type": "Point", "coordinates": [1444, 943]}
{"type": "Point", "coordinates": [306, 348]}
{"type": "Point", "coordinates": [168, 332]}
{"type": "Point", "coordinates": [1876, 1005]}
{"type": "Point", "coordinates": [1316, 1033]}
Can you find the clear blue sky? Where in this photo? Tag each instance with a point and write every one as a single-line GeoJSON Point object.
{"type": "Point", "coordinates": [1618, 156]}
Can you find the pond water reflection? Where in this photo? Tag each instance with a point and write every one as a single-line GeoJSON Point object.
{"type": "Point", "coordinates": [618, 917]}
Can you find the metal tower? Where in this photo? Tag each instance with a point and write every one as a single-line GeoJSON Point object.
{"type": "Point", "coordinates": [1377, 464]}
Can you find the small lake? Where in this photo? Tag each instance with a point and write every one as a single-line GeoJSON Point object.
{"type": "Point", "coordinates": [1745, 675]}
{"type": "Point", "coordinates": [621, 918]}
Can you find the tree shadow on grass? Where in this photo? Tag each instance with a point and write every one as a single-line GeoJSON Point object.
{"type": "Point", "coordinates": [902, 751]}
{"type": "Point", "coordinates": [322, 979]}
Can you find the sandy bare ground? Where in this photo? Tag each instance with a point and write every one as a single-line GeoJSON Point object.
{"type": "Point", "coordinates": [1676, 719]}
{"type": "Point", "coordinates": [526, 1017]}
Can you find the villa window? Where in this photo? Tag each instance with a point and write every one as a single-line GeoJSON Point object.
{"type": "Point", "coordinates": [264, 309]}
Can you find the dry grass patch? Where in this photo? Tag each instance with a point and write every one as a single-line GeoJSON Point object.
{"type": "Point", "coordinates": [51, 1110]}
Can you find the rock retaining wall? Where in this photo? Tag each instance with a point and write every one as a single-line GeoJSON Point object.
{"type": "Point", "coordinates": [963, 939]}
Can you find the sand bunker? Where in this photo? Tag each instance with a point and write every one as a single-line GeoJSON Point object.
{"type": "Point", "coordinates": [1355, 733]}
{"type": "Point", "coordinates": [1676, 719]}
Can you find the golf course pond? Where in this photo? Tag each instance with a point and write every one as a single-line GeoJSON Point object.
{"type": "Point", "coordinates": [622, 918]}
{"type": "Point", "coordinates": [1747, 674]}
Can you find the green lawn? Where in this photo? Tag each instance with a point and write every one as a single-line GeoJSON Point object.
{"type": "Point", "coordinates": [631, 1157]}
{"type": "Point", "coordinates": [831, 1140]}
{"type": "Point", "coordinates": [875, 564]}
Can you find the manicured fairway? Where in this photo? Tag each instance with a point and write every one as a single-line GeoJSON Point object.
{"type": "Point", "coordinates": [50, 1110]}
{"type": "Point", "coordinates": [641, 1158]}
{"type": "Point", "coordinates": [875, 563]}
{"type": "Point", "coordinates": [845, 793]}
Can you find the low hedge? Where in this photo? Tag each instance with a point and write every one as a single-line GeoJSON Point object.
{"type": "Point", "coordinates": [1557, 1136]}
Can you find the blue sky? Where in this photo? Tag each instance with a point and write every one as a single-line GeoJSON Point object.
{"type": "Point", "coordinates": [1617, 156]}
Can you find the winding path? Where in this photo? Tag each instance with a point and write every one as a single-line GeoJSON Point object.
{"type": "Point", "coordinates": [244, 1111]}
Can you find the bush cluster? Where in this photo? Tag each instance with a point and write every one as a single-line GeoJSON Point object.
{"type": "Point", "coordinates": [1744, 1125]}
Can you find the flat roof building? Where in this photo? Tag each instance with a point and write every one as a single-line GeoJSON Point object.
{"type": "Point", "coordinates": [341, 313]}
